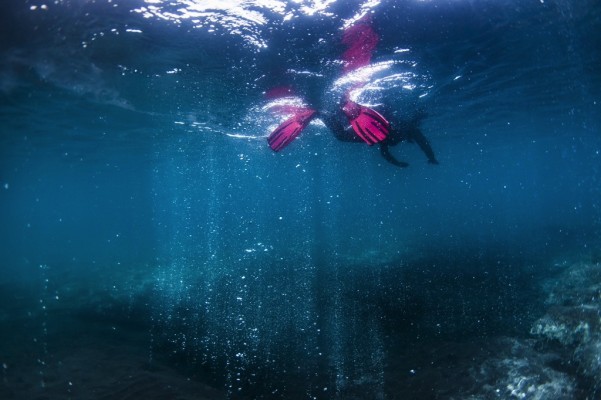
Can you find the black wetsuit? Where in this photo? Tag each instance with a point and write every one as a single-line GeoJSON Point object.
{"type": "Point", "coordinates": [407, 130]}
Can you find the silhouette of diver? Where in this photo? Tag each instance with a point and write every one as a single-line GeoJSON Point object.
{"type": "Point", "coordinates": [400, 130]}
{"type": "Point", "coordinates": [364, 124]}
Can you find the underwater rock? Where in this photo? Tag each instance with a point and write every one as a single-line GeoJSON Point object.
{"type": "Point", "coordinates": [569, 325]}
{"type": "Point", "coordinates": [574, 318]}
{"type": "Point", "coordinates": [519, 371]}
{"type": "Point", "coordinates": [578, 284]}
{"type": "Point", "coordinates": [589, 359]}
{"type": "Point", "coordinates": [483, 369]}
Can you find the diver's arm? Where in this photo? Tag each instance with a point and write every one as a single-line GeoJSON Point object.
{"type": "Point", "coordinates": [385, 152]}
{"type": "Point", "coordinates": [423, 144]}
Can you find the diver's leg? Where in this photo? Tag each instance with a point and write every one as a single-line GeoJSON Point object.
{"type": "Point", "coordinates": [423, 143]}
{"type": "Point", "coordinates": [385, 152]}
{"type": "Point", "coordinates": [333, 124]}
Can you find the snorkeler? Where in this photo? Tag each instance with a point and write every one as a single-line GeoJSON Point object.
{"type": "Point", "coordinates": [402, 130]}
{"type": "Point", "coordinates": [367, 126]}
{"type": "Point", "coordinates": [370, 126]}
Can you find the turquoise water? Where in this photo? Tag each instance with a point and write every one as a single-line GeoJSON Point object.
{"type": "Point", "coordinates": [143, 215]}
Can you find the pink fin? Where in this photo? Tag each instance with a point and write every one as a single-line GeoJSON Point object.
{"type": "Point", "coordinates": [288, 130]}
{"type": "Point", "coordinates": [368, 124]}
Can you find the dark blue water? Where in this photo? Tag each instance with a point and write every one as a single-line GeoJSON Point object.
{"type": "Point", "coordinates": [153, 246]}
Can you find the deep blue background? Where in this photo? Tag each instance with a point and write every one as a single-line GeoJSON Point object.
{"type": "Point", "coordinates": [122, 171]}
